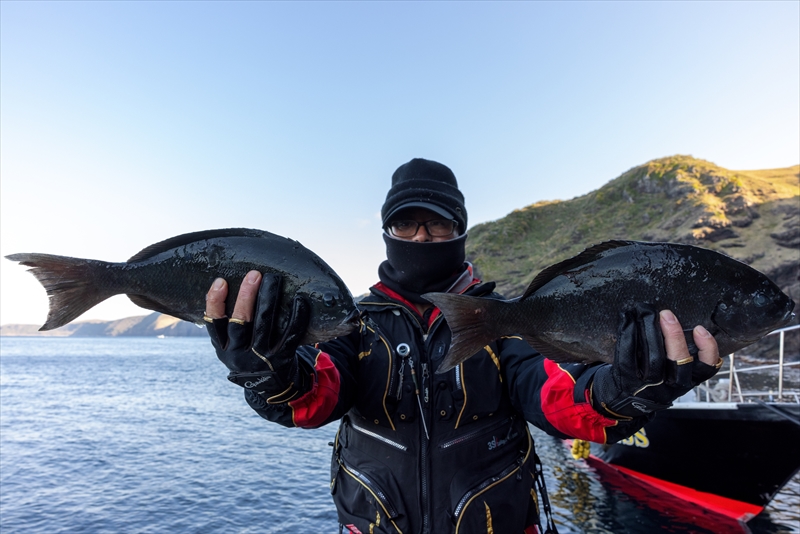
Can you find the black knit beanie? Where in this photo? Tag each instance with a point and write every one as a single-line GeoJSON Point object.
{"type": "Point", "coordinates": [425, 184]}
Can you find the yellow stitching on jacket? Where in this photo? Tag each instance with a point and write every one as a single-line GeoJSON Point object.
{"type": "Point", "coordinates": [377, 500]}
{"type": "Point", "coordinates": [568, 373]}
{"type": "Point", "coordinates": [496, 361]}
{"type": "Point", "coordinates": [316, 361]}
{"type": "Point", "coordinates": [495, 483]}
{"type": "Point", "coordinates": [388, 381]}
{"type": "Point", "coordinates": [362, 355]}
{"type": "Point", "coordinates": [388, 378]}
{"type": "Point", "coordinates": [489, 528]}
{"type": "Point", "coordinates": [464, 389]}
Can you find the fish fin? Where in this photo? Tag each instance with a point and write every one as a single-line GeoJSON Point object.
{"type": "Point", "coordinates": [150, 304]}
{"type": "Point", "coordinates": [185, 239]}
{"type": "Point", "coordinates": [587, 256]}
{"type": "Point", "coordinates": [70, 283]}
{"type": "Point", "coordinates": [469, 324]}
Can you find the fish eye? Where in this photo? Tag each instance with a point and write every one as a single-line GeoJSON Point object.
{"type": "Point", "coordinates": [759, 299]}
{"type": "Point", "coordinates": [329, 299]}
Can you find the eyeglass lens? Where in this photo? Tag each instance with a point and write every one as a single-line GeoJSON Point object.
{"type": "Point", "coordinates": [435, 227]}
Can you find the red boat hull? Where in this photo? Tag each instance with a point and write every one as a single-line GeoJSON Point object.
{"type": "Point", "coordinates": [730, 459]}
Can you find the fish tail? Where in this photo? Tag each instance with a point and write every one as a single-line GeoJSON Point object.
{"type": "Point", "coordinates": [472, 321]}
{"type": "Point", "coordinates": [71, 283]}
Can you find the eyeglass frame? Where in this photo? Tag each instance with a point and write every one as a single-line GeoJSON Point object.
{"type": "Point", "coordinates": [388, 228]}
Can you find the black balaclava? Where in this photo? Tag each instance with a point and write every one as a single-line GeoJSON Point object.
{"type": "Point", "coordinates": [412, 268]}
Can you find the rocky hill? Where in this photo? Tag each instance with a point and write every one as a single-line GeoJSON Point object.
{"type": "Point", "coordinates": [155, 324]}
{"type": "Point", "coordinates": [753, 216]}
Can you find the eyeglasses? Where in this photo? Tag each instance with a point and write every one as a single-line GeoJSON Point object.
{"type": "Point", "coordinates": [435, 228]}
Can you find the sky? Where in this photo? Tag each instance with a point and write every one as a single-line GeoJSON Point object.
{"type": "Point", "coordinates": [125, 123]}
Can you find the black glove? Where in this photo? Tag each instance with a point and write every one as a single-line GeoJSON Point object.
{"type": "Point", "coordinates": [642, 379]}
{"type": "Point", "coordinates": [261, 358]}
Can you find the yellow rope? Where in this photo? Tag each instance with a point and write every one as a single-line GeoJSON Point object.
{"type": "Point", "coordinates": [580, 449]}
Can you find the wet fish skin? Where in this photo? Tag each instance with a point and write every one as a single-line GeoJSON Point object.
{"type": "Point", "coordinates": [173, 277]}
{"type": "Point", "coordinates": [571, 310]}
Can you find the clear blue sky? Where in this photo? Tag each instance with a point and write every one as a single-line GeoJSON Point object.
{"type": "Point", "coordinates": [124, 123]}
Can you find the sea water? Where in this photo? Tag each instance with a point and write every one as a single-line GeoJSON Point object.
{"type": "Point", "coordinates": [140, 435]}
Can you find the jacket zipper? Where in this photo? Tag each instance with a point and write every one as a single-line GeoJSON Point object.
{"type": "Point", "coordinates": [380, 496]}
{"type": "Point", "coordinates": [488, 484]}
{"type": "Point", "coordinates": [474, 434]}
{"type": "Point", "coordinates": [371, 434]}
{"type": "Point", "coordinates": [485, 485]}
{"type": "Point", "coordinates": [426, 508]}
{"type": "Point", "coordinates": [426, 505]}
{"type": "Point", "coordinates": [400, 378]}
{"type": "Point", "coordinates": [425, 474]}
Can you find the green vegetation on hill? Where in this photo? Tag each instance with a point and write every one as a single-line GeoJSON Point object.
{"type": "Point", "coordinates": [753, 216]}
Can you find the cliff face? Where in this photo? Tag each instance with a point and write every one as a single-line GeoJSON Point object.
{"type": "Point", "coordinates": [155, 324]}
{"type": "Point", "coordinates": [753, 216]}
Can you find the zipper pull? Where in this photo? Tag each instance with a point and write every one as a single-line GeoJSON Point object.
{"type": "Point", "coordinates": [419, 402]}
{"type": "Point", "coordinates": [400, 382]}
{"type": "Point", "coordinates": [425, 377]}
{"type": "Point", "coordinates": [414, 377]}
{"type": "Point", "coordinates": [403, 350]}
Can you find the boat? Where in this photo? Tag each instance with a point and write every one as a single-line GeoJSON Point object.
{"type": "Point", "coordinates": [722, 448]}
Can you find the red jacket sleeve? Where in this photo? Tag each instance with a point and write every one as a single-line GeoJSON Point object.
{"type": "Point", "coordinates": [554, 398]}
{"type": "Point", "coordinates": [330, 393]}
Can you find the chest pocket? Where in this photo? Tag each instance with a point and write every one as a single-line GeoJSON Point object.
{"type": "Point", "coordinates": [385, 391]}
{"type": "Point", "coordinates": [478, 389]}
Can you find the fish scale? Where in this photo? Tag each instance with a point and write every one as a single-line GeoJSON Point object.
{"type": "Point", "coordinates": [173, 277]}
{"type": "Point", "coordinates": [571, 310]}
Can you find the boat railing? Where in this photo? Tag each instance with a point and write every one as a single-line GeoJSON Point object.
{"type": "Point", "coordinates": [734, 389]}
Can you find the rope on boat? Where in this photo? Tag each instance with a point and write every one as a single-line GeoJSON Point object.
{"type": "Point", "coordinates": [580, 449]}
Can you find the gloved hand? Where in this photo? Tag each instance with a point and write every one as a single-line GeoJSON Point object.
{"type": "Point", "coordinates": [259, 356]}
{"type": "Point", "coordinates": [642, 378]}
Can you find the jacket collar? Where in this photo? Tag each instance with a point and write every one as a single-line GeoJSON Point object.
{"type": "Point", "coordinates": [463, 284]}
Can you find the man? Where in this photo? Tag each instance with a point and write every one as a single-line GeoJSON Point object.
{"type": "Point", "coordinates": [419, 452]}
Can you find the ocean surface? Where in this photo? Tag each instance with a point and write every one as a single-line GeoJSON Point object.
{"type": "Point", "coordinates": [140, 435]}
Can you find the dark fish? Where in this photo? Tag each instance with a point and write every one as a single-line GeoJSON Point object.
{"type": "Point", "coordinates": [571, 310]}
{"type": "Point", "coordinates": [173, 277]}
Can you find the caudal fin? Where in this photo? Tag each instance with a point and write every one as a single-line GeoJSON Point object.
{"type": "Point", "coordinates": [71, 284]}
{"type": "Point", "coordinates": [472, 321]}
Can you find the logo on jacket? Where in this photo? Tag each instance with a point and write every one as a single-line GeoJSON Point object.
{"type": "Point", "coordinates": [251, 385]}
{"type": "Point", "coordinates": [495, 443]}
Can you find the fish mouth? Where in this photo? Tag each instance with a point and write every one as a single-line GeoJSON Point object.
{"type": "Point", "coordinates": [352, 318]}
{"type": "Point", "coordinates": [347, 325]}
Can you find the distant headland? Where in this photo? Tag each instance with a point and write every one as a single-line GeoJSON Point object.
{"type": "Point", "coordinates": [153, 325]}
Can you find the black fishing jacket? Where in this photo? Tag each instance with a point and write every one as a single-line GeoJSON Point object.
{"type": "Point", "coordinates": [420, 452]}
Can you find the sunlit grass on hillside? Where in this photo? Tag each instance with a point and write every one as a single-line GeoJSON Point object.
{"type": "Point", "coordinates": [677, 198]}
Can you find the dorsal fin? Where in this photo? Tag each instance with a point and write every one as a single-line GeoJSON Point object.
{"type": "Point", "coordinates": [583, 258]}
{"type": "Point", "coordinates": [185, 239]}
